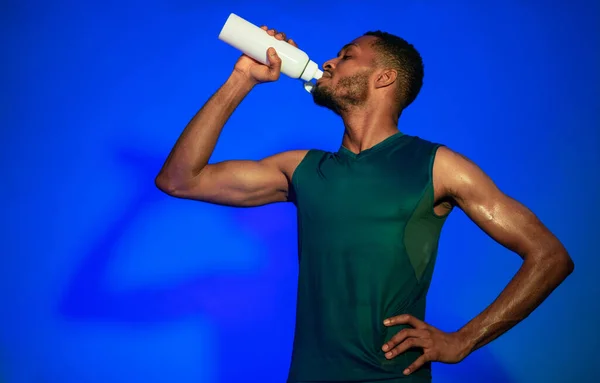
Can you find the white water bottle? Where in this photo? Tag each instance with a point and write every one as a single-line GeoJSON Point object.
{"type": "Point", "coordinates": [254, 42]}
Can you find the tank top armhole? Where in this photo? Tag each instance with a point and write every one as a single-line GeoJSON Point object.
{"type": "Point", "coordinates": [430, 186]}
{"type": "Point", "coordinates": [295, 182]}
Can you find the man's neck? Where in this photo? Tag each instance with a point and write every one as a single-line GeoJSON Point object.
{"type": "Point", "coordinates": [365, 129]}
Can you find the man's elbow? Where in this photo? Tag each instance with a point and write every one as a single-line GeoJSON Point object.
{"type": "Point", "coordinates": [552, 261]}
{"type": "Point", "coordinates": [561, 263]}
{"type": "Point", "coordinates": [179, 187]}
{"type": "Point", "coordinates": [166, 184]}
{"type": "Point", "coordinates": [567, 264]}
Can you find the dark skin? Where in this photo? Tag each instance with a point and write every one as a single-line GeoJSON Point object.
{"type": "Point", "coordinates": [364, 95]}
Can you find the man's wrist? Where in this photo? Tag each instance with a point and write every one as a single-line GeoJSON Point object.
{"type": "Point", "coordinates": [468, 341]}
{"type": "Point", "coordinates": [241, 80]}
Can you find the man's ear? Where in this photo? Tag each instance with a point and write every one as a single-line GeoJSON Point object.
{"type": "Point", "coordinates": [386, 77]}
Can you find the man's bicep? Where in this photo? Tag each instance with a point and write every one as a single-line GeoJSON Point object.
{"type": "Point", "coordinates": [243, 182]}
{"type": "Point", "coordinates": [503, 218]}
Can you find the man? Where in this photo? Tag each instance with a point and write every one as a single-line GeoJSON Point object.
{"type": "Point", "coordinates": [369, 218]}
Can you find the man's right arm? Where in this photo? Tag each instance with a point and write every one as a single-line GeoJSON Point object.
{"type": "Point", "coordinates": [244, 183]}
{"type": "Point", "coordinates": [186, 172]}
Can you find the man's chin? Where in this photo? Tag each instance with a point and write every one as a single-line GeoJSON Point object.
{"type": "Point", "coordinates": [325, 101]}
{"type": "Point", "coordinates": [321, 95]}
{"type": "Point", "coordinates": [321, 99]}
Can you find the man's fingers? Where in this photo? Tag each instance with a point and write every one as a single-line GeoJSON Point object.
{"type": "Point", "coordinates": [417, 364]}
{"type": "Point", "coordinates": [405, 345]}
{"type": "Point", "coordinates": [405, 319]}
{"type": "Point", "coordinates": [399, 337]}
{"type": "Point", "coordinates": [272, 32]}
{"type": "Point", "coordinates": [423, 342]}
{"type": "Point", "coordinates": [278, 35]}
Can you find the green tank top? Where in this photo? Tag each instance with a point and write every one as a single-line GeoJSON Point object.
{"type": "Point", "coordinates": [367, 239]}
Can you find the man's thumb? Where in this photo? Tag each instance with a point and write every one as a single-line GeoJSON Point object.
{"type": "Point", "coordinates": [274, 60]}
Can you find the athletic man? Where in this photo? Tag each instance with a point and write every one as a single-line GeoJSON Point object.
{"type": "Point", "coordinates": [369, 218]}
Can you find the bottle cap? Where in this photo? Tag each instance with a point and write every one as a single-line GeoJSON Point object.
{"type": "Point", "coordinates": [311, 71]}
{"type": "Point", "coordinates": [318, 74]}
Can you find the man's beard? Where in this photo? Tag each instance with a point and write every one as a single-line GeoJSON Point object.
{"type": "Point", "coordinates": [354, 92]}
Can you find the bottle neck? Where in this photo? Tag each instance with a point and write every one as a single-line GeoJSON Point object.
{"type": "Point", "coordinates": [311, 71]}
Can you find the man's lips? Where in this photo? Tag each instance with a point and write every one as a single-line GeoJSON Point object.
{"type": "Point", "coordinates": [326, 75]}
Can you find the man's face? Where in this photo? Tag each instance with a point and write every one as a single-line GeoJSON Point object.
{"type": "Point", "coordinates": [346, 78]}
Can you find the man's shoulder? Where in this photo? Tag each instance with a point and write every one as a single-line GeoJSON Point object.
{"type": "Point", "coordinates": [295, 157]}
{"type": "Point", "coordinates": [423, 141]}
{"type": "Point", "coordinates": [451, 167]}
{"type": "Point", "coordinates": [447, 155]}
{"type": "Point", "coordinates": [423, 147]}
{"type": "Point", "coordinates": [441, 156]}
{"type": "Point", "coordinates": [306, 154]}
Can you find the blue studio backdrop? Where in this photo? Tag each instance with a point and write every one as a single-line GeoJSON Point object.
{"type": "Point", "coordinates": [106, 279]}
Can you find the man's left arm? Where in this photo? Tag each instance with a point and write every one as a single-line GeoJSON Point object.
{"type": "Point", "coordinates": [546, 262]}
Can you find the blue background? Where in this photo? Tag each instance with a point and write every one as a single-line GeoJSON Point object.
{"type": "Point", "coordinates": [105, 279]}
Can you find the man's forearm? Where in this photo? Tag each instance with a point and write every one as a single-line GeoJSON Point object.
{"type": "Point", "coordinates": [533, 283]}
{"type": "Point", "coordinates": [196, 143]}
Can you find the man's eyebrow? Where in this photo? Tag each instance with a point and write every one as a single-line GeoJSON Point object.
{"type": "Point", "coordinates": [347, 46]}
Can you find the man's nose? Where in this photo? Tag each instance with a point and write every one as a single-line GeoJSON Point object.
{"type": "Point", "coordinates": [329, 65]}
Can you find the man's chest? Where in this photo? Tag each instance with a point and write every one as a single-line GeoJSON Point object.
{"type": "Point", "coordinates": [368, 190]}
